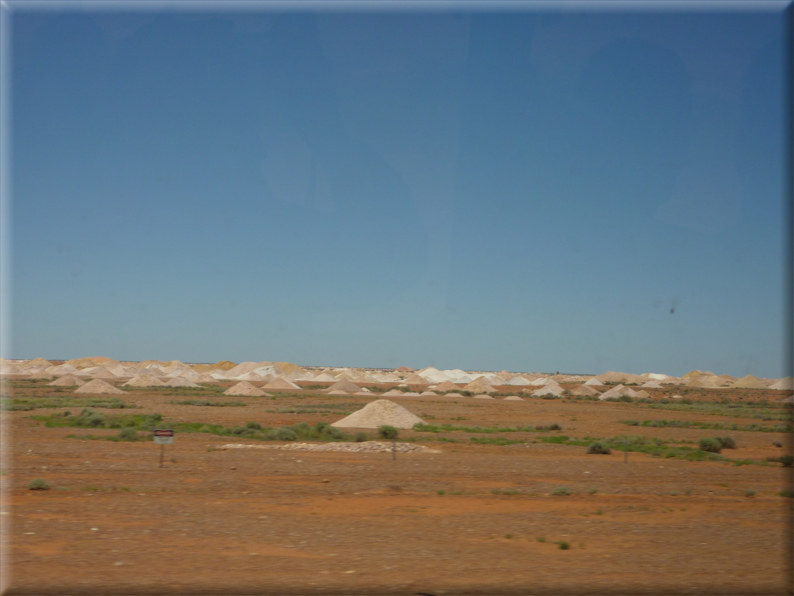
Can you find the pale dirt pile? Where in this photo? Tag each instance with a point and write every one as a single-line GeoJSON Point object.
{"type": "Point", "coordinates": [585, 390]}
{"type": "Point", "coordinates": [101, 373]}
{"type": "Point", "coordinates": [652, 384]}
{"type": "Point", "coordinates": [480, 385]}
{"type": "Point", "coordinates": [619, 377]}
{"type": "Point", "coordinates": [513, 398]}
{"type": "Point", "coordinates": [428, 393]}
{"type": "Point", "coordinates": [363, 447]}
{"type": "Point", "coordinates": [378, 413]}
{"type": "Point", "coordinates": [618, 391]}
{"type": "Point", "coordinates": [68, 381]}
{"type": "Point", "coordinates": [394, 392]}
{"type": "Point", "coordinates": [205, 378]}
{"type": "Point", "coordinates": [281, 383]}
{"type": "Point", "coordinates": [749, 382]}
{"type": "Point", "coordinates": [220, 365]}
{"type": "Point", "coordinates": [417, 379]}
{"type": "Point", "coordinates": [324, 378]}
{"type": "Point", "coordinates": [42, 375]}
{"type": "Point", "coordinates": [594, 382]}
{"type": "Point", "coordinates": [99, 387]}
{"type": "Point", "coordinates": [641, 394]}
{"type": "Point", "coordinates": [787, 383]}
{"type": "Point", "coordinates": [482, 396]}
{"type": "Point", "coordinates": [709, 381]}
{"type": "Point", "coordinates": [345, 386]}
{"type": "Point", "coordinates": [447, 386]}
{"type": "Point", "coordinates": [453, 394]}
{"type": "Point", "coordinates": [517, 381]}
{"type": "Point", "coordinates": [144, 381]}
{"type": "Point", "coordinates": [250, 376]}
{"type": "Point", "coordinates": [244, 388]}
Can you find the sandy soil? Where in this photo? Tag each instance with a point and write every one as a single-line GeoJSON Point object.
{"type": "Point", "coordinates": [276, 522]}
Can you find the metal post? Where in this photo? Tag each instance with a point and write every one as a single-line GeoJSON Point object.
{"type": "Point", "coordinates": [162, 452]}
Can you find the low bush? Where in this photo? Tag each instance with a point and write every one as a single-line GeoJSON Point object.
{"type": "Point", "coordinates": [727, 442]}
{"type": "Point", "coordinates": [563, 545]}
{"type": "Point", "coordinates": [387, 431]}
{"type": "Point", "coordinates": [710, 445]}
{"type": "Point", "coordinates": [38, 484]}
{"type": "Point", "coordinates": [599, 447]}
{"type": "Point", "coordinates": [562, 491]}
{"type": "Point", "coordinates": [360, 437]}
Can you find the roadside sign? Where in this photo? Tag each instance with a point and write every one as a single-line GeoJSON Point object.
{"type": "Point", "coordinates": [164, 437]}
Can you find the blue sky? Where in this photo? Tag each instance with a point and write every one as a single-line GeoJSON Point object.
{"type": "Point", "coordinates": [529, 190]}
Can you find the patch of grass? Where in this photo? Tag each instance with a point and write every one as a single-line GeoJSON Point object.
{"type": "Point", "coordinates": [786, 493]}
{"type": "Point", "coordinates": [592, 490]}
{"type": "Point", "coordinates": [777, 428]}
{"type": "Point", "coordinates": [25, 404]}
{"type": "Point", "coordinates": [38, 484]}
{"type": "Point", "coordinates": [749, 493]}
{"type": "Point", "coordinates": [440, 492]}
{"type": "Point", "coordinates": [562, 545]}
{"type": "Point", "coordinates": [561, 491]}
{"type": "Point", "coordinates": [758, 410]}
{"type": "Point", "coordinates": [441, 428]}
{"type": "Point", "coordinates": [204, 402]}
{"type": "Point", "coordinates": [710, 444]}
{"type": "Point", "coordinates": [494, 441]}
{"type": "Point", "coordinates": [786, 460]}
{"type": "Point", "coordinates": [541, 539]}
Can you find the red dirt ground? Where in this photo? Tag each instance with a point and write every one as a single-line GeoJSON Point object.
{"type": "Point", "coordinates": [278, 522]}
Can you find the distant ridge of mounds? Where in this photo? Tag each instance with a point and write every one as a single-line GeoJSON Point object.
{"type": "Point", "coordinates": [257, 378]}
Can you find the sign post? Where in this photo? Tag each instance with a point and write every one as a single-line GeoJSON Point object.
{"type": "Point", "coordinates": [163, 437]}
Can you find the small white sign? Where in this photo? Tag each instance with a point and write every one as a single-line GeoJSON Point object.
{"type": "Point", "coordinates": [163, 437]}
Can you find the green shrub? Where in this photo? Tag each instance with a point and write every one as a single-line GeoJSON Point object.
{"type": "Point", "coordinates": [38, 484]}
{"type": "Point", "coordinates": [727, 442]}
{"type": "Point", "coordinates": [710, 444]}
{"type": "Point", "coordinates": [749, 493]}
{"type": "Point", "coordinates": [254, 425]}
{"type": "Point", "coordinates": [599, 447]}
{"type": "Point", "coordinates": [360, 437]}
{"type": "Point", "coordinates": [563, 545]}
{"type": "Point", "coordinates": [562, 491]}
{"type": "Point", "coordinates": [387, 431]}
{"type": "Point", "coordinates": [128, 434]}
{"type": "Point", "coordinates": [285, 434]}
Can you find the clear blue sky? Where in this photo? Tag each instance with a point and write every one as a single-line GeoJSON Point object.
{"type": "Point", "coordinates": [573, 191]}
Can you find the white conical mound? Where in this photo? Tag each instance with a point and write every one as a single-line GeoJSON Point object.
{"type": "Point", "coordinates": [378, 413]}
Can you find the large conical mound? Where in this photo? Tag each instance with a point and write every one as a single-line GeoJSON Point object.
{"type": "Point", "coordinates": [280, 383]}
{"type": "Point", "coordinates": [416, 379]}
{"type": "Point", "coordinates": [144, 381]}
{"type": "Point", "coordinates": [98, 387]}
{"type": "Point", "coordinates": [345, 386]}
{"type": "Point", "coordinates": [585, 389]}
{"type": "Point", "coordinates": [787, 383]}
{"type": "Point", "coordinates": [749, 382]}
{"type": "Point", "coordinates": [480, 385]}
{"type": "Point", "coordinates": [447, 386]}
{"type": "Point", "coordinates": [245, 389]}
{"type": "Point", "coordinates": [378, 413]}
{"type": "Point", "coordinates": [68, 381]}
{"type": "Point", "coordinates": [594, 382]}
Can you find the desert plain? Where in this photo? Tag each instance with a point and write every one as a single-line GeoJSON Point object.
{"type": "Point", "coordinates": [488, 496]}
